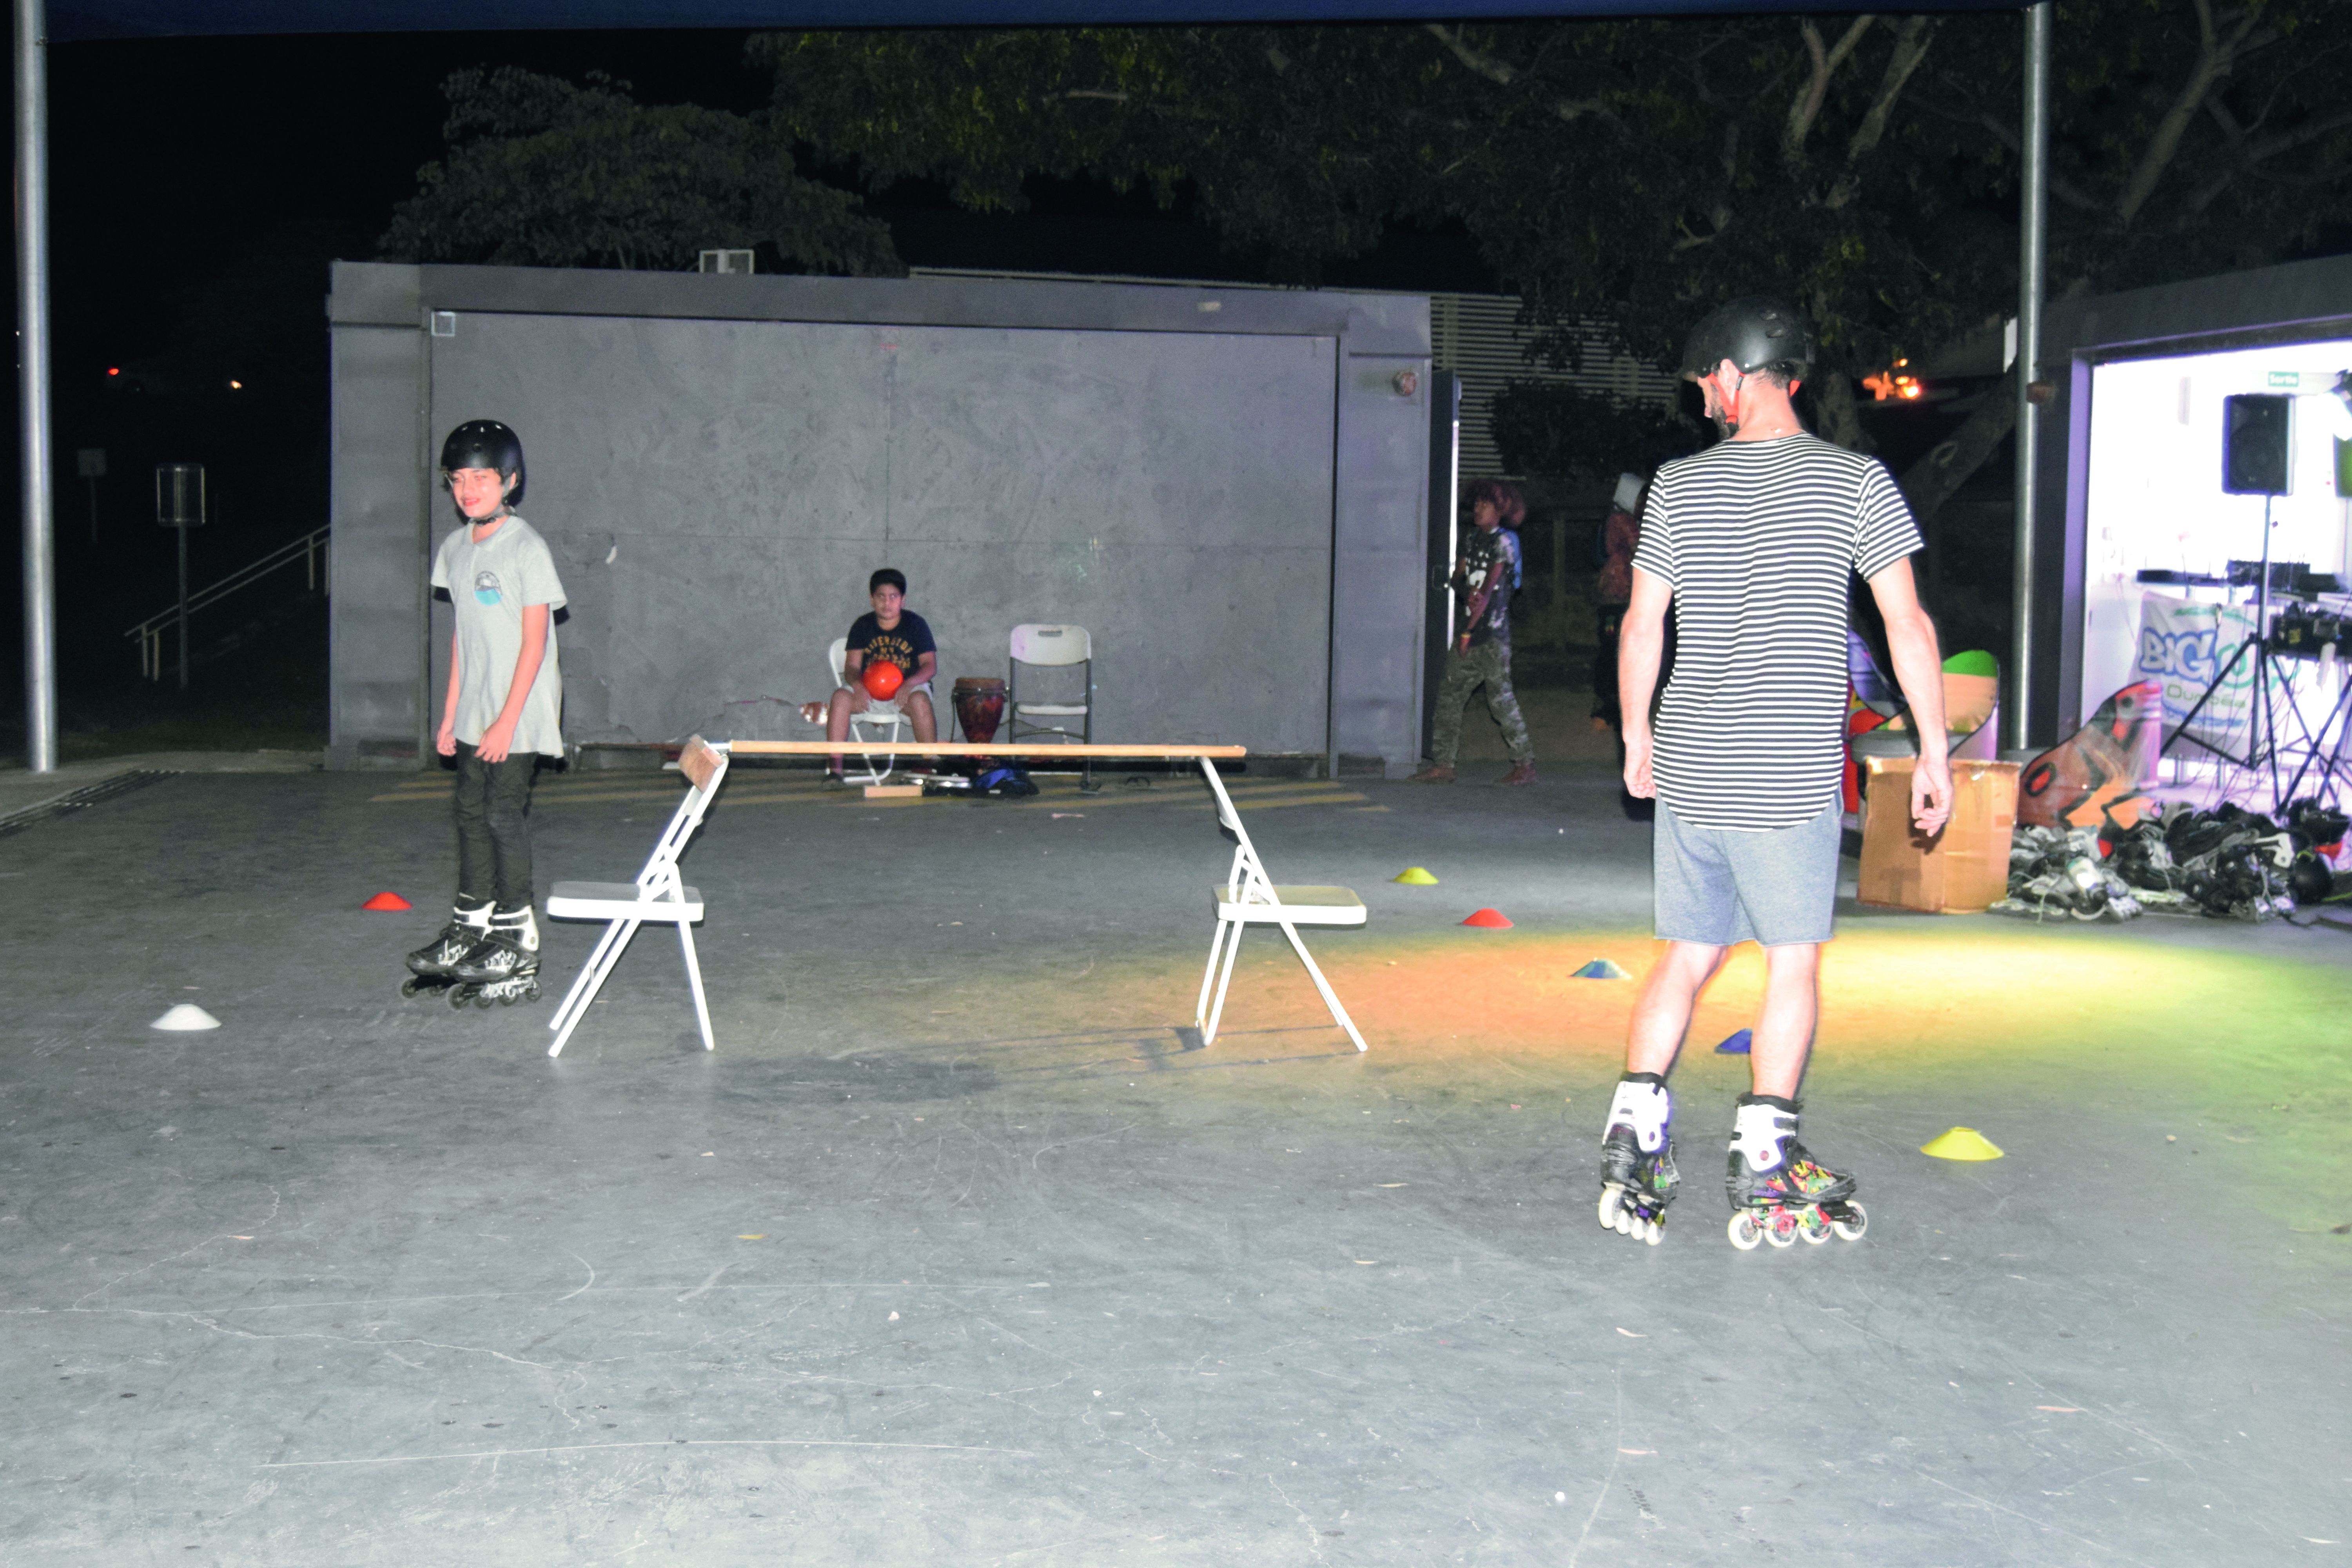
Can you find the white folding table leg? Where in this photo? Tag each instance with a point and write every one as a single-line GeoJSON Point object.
{"type": "Point", "coordinates": [1329, 999]}
{"type": "Point", "coordinates": [1233, 950]}
{"type": "Point", "coordinates": [592, 980]}
{"type": "Point", "coordinates": [694, 979]}
{"type": "Point", "coordinates": [1209, 975]}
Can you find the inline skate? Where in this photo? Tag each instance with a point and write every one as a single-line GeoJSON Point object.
{"type": "Point", "coordinates": [1779, 1193]}
{"type": "Point", "coordinates": [503, 967]}
{"type": "Point", "coordinates": [430, 966]}
{"type": "Point", "coordinates": [1637, 1159]}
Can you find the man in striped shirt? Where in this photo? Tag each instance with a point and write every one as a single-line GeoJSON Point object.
{"type": "Point", "coordinates": [1752, 542]}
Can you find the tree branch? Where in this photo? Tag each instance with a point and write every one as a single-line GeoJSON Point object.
{"type": "Point", "coordinates": [1502, 73]}
{"type": "Point", "coordinates": [2215, 57]}
{"type": "Point", "coordinates": [1807, 106]}
{"type": "Point", "coordinates": [2065, 190]}
{"type": "Point", "coordinates": [2248, 154]}
{"type": "Point", "coordinates": [1911, 43]}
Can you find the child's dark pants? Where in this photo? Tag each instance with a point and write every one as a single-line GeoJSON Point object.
{"type": "Point", "coordinates": [493, 805]}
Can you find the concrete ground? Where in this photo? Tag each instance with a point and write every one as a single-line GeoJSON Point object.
{"type": "Point", "coordinates": [963, 1248]}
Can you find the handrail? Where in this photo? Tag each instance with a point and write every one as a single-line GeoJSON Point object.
{"type": "Point", "coordinates": [311, 548]}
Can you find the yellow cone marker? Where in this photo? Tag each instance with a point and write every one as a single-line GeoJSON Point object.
{"type": "Point", "coordinates": [1961, 1143]}
{"type": "Point", "coordinates": [1414, 877]}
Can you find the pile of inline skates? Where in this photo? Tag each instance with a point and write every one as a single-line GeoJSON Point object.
{"type": "Point", "coordinates": [2227, 863]}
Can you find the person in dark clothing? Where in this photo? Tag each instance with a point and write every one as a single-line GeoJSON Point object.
{"type": "Point", "coordinates": [890, 633]}
{"type": "Point", "coordinates": [1486, 575]}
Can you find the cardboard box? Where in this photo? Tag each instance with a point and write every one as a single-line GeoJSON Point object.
{"type": "Point", "coordinates": [1963, 869]}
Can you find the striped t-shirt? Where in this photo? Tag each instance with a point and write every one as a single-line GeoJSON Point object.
{"type": "Point", "coordinates": [1756, 539]}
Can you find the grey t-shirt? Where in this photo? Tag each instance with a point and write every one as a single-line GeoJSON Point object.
{"type": "Point", "coordinates": [489, 583]}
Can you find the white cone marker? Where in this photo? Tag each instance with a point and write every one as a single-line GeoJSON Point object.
{"type": "Point", "coordinates": [186, 1016]}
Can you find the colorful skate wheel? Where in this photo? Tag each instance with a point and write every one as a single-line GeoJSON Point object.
{"type": "Point", "coordinates": [1745, 1232]}
{"type": "Point", "coordinates": [1815, 1227]}
{"type": "Point", "coordinates": [1780, 1229]}
{"type": "Point", "coordinates": [1850, 1225]}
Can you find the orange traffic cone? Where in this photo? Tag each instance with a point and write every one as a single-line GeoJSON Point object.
{"type": "Point", "coordinates": [387, 901]}
{"type": "Point", "coordinates": [1492, 919]}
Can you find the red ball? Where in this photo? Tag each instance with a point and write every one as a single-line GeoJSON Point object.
{"type": "Point", "coordinates": [882, 679]}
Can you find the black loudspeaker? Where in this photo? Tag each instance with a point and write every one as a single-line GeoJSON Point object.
{"type": "Point", "coordinates": [2254, 444]}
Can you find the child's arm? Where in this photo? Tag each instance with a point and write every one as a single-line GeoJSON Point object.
{"type": "Point", "coordinates": [444, 740]}
{"type": "Point", "coordinates": [498, 739]}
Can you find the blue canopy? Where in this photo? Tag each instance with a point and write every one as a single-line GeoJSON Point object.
{"type": "Point", "coordinates": [71, 20]}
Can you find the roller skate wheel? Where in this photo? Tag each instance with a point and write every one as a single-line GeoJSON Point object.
{"type": "Point", "coordinates": [1780, 1230]}
{"type": "Point", "coordinates": [411, 986]}
{"type": "Point", "coordinates": [1657, 1232]}
{"type": "Point", "coordinates": [483, 999]}
{"type": "Point", "coordinates": [1610, 1198]}
{"type": "Point", "coordinates": [1851, 1229]}
{"type": "Point", "coordinates": [1815, 1228]}
{"type": "Point", "coordinates": [1745, 1232]}
{"type": "Point", "coordinates": [457, 998]}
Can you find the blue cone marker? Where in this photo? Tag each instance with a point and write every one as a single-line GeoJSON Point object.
{"type": "Point", "coordinates": [1736, 1045]}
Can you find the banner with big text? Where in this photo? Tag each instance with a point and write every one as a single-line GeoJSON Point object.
{"type": "Point", "coordinates": [2182, 647]}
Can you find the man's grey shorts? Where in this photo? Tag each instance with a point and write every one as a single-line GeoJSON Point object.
{"type": "Point", "coordinates": [1717, 887]}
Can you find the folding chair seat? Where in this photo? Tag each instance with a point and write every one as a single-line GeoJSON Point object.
{"type": "Point", "coordinates": [889, 718]}
{"type": "Point", "coordinates": [1250, 897]}
{"type": "Point", "coordinates": [658, 896]}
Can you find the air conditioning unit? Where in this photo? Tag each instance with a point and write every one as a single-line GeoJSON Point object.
{"type": "Point", "coordinates": [726, 261]}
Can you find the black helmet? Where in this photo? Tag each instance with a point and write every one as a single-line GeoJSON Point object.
{"type": "Point", "coordinates": [485, 444]}
{"type": "Point", "coordinates": [1754, 333]}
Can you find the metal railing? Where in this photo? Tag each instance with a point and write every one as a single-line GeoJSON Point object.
{"type": "Point", "coordinates": [310, 550]}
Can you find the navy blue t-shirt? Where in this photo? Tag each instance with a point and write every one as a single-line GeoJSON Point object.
{"type": "Point", "coordinates": [903, 645]}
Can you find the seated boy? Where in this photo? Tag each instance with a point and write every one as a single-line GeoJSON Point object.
{"type": "Point", "coordinates": [890, 633]}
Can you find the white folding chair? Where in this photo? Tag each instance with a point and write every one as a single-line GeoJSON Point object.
{"type": "Point", "coordinates": [1251, 898]}
{"type": "Point", "coordinates": [1052, 648]}
{"type": "Point", "coordinates": [657, 895]}
{"type": "Point", "coordinates": [889, 718]}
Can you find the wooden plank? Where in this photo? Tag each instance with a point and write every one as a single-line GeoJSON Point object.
{"type": "Point", "coordinates": [892, 791]}
{"type": "Point", "coordinates": [698, 762]}
{"type": "Point", "coordinates": [969, 749]}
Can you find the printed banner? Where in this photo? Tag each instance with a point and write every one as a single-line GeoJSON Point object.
{"type": "Point", "coordinates": [2182, 647]}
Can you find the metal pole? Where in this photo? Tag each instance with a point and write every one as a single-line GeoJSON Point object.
{"type": "Point", "coordinates": [2033, 221]}
{"type": "Point", "coordinates": [183, 531]}
{"type": "Point", "coordinates": [38, 492]}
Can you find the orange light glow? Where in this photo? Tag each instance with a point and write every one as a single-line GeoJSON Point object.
{"type": "Point", "coordinates": [1891, 385]}
{"type": "Point", "coordinates": [113, 370]}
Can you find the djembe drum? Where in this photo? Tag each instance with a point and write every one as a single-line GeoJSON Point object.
{"type": "Point", "coordinates": [979, 702]}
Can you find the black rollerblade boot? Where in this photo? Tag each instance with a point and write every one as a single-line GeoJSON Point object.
{"type": "Point", "coordinates": [1637, 1159]}
{"type": "Point", "coordinates": [1778, 1192]}
{"type": "Point", "coordinates": [429, 966]}
{"type": "Point", "coordinates": [503, 967]}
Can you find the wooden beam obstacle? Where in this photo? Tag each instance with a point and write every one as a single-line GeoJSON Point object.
{"type": "Point", "coordinates": [973, 749]}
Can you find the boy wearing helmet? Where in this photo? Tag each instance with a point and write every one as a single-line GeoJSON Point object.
{"type": "Point", "coordinates": [1752, 541]}
{"type": "Point", "coordinates": [501, 712]}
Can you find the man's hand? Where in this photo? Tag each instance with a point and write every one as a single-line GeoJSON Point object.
{"type": "Point", "coordinates": [496, 741]}
{"type": "Point", "coordinates": [1931, 794]}
{"type": "Point", "coordinates": [444, 739]}
{"type": "Point", "coordinates": [1640, 747]}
